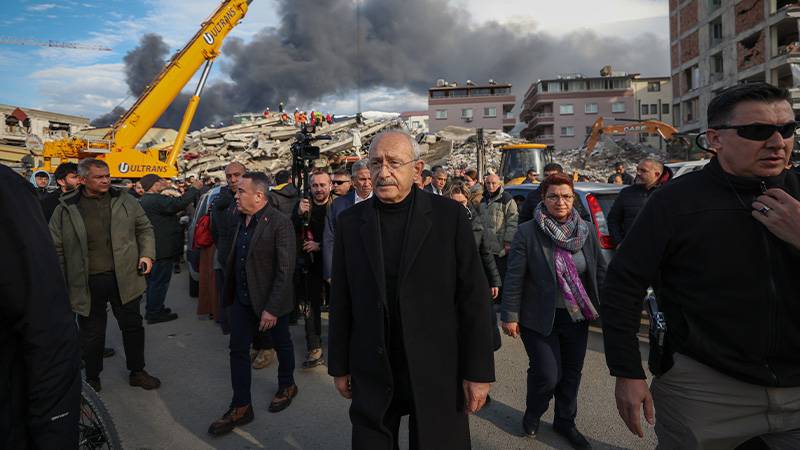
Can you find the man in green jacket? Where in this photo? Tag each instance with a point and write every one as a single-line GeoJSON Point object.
{"type": "Point", "coordinates": [162, 211]}
{"type": "Point", "coordinates": [105, 245]}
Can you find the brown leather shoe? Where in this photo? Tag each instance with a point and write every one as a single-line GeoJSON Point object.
{"type": "Point", "coordinates": [233, 418]}
{"type": "Point", "coordinates": [283, 398]}
{"type": "Point", "coordinates": [144, 380]}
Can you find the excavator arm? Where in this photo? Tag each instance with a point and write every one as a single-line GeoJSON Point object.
{"type": "Point", "coordinates": [665, 130]}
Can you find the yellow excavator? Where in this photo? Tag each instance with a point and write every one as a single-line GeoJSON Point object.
{"type": "Point", "coordinates": [118, 146]}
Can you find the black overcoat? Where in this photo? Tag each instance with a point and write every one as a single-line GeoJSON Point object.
{"type": "Point", "coordinates": [445, 318]}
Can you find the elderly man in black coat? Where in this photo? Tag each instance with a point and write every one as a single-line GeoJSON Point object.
{"type": "Point", "coordinates": [394, 348]}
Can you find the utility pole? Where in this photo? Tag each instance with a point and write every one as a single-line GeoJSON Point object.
{"type": "Point", "coordinates": [480, 153]}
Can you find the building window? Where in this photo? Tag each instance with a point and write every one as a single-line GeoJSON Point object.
{"type": "Point", "coordinates": [691, 78]}
{"type": "Point", "coordinates": [588, 130]}
{"type": "Point", "coordinates": [654, 86]}
{"type": "Point", "coordinates": [566, 109]}
{"type": "Point", "coordinates": [653, 108]}
{"type": "Point", "coordinates": [438, 94]}
{"type": "Point", "coordinates": [590, 108]}
{"type": "Point", "coordinates": [466, 113]}
{"type": "Point", "coordinates": [645, 110]}
{"type": "Point", "coordinates": [618, 107]}
{"type": "Point", "coordinates": [715, 32]}
{"type": "Point", "coordinates": [665, 108]}
{"type": "Point", "coordinates": [441, 114]}
{"type": "Point", "coordinates": [676, 114]}
{"type": "Point", "coordinates": [490, 111]}
{"type": "Point", "coordinates": [567, 131]}
{"type": "Point", "coordinates": [480, 92]}
{"type": "Point", "coordinates": [690, 110]}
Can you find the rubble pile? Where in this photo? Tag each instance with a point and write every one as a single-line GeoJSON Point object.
{"type": "Point", "coordinates": [599, 164]}
{"type": "Point", "coordinates": [265, 145]}
{"type": "Point", "coordinates": [456, 147]}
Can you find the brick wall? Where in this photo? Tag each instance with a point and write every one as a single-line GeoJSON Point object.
{"type": "Point", "coordinates": [749, 57]}
{"type": "Point", "coordinates": [688, 16]}
{"type": "Point", "coordinates": [673, 27]}
{"type": "Point", "coordinates": [748, 14]}
{"type": "Point", "coordinates": [675, 57]}
{"type": "Point", "coordinates": [673, 5]}
{"type": "Point", "coordinates": [676, 85]}
{"type": "Point", "coordinates": [690, 47]}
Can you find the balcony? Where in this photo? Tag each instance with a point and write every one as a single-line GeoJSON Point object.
{"type": "Point", "coordinates": [543, 139]}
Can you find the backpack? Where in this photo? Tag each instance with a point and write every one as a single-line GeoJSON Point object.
{"type": "Point", "coordinates": [202, 232]}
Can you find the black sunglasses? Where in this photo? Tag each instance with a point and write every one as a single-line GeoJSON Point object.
{"type": "Point", "coordinates": [338, 182]}
{"type": "Point", "coordinates": [761, 131]}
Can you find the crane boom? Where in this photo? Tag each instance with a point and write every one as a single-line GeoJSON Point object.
{"type": "Point", "coordinates": [118, 146]}
{"type": "Point", "coordinates": [204, 46]}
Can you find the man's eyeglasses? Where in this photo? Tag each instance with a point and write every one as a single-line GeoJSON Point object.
{"type": "Point", "coordinates": [375, 165]}
{"type": "Point", "coordinates": [555, 198]}
{"type": "Point", "coordinates": [761, 131]}
{"type": "Point", "coordinates": [339, 182]}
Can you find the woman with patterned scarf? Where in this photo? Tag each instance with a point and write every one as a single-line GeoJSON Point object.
{"type": "Point", "coordinates": [550, 295]}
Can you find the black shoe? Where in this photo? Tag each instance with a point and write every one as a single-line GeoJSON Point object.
{"type": "Point", "coordinates": [144, 380]}
{"type": "Point", "coordinates": [177, 268]}
{"type": "Point", "coordinates": [108, 352]}
{"type": "Point", "coordinates": [95, 384]}
{"type": "Point", "coordinates": [574, 437]}
{"type": "Point", "coordinates": [161, 317]}
{"type": "Point", "coordinates": [530, 429]}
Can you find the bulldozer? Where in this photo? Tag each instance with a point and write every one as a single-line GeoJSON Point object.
{"type": "Point", "coordinates": [517, 159]}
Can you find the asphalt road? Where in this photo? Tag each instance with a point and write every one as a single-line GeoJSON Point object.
{"type": "Point", "coordinates": [190, 356]}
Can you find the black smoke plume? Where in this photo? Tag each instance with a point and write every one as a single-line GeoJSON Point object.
{"type": "Point", "coordinates": [403, 45]}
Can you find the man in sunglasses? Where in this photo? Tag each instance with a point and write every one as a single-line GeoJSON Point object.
{"type": "Point", "coordinates": [722, 248]}
{"type": "Point", "coordinates": [341, 183]}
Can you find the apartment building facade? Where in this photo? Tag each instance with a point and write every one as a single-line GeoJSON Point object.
{"type": "Point", "coordinates": [561, 111]}
{"type": "Point", "coordinates": [489, 106]}
{"type": "Point", "coordinates": [715, 44]}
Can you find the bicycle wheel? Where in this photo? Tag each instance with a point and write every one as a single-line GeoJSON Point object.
{"type": "Point", "coordinates": [97, 430]}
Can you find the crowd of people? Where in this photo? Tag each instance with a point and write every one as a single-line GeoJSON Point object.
{"type": "Point", "coordinates": [717, 247]}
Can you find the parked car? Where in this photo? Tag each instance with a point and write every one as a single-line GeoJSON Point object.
{"type": "Point", "coordinates": [684, 167]}
{"type": "Point", "coordinates": [596, 199]}
{"type": "Point", "coordinates": [193, 254]}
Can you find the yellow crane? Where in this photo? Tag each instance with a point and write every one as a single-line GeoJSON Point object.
{"type": "Point", "coordinates": [118, 146]}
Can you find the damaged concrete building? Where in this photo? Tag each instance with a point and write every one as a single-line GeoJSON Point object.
{"type": "Point", "coordinates": [718, 43]}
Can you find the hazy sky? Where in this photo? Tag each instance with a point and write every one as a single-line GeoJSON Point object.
{"type": "Point", "coordinates": [632, 35]}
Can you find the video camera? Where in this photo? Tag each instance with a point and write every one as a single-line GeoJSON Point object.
{"type": "Point", "coordinates": [303, 153]}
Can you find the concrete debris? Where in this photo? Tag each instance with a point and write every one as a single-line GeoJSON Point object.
{"type": "Point", "coordinates": [265, 145]}
{"type": "Point", "coordinates": [599, 164]}
{"type": "Point", "coordinates": [455, 147]}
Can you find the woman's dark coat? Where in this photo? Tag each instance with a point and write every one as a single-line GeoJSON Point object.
{"type": "Point", "coordinates": [530, 290]}
{"type": "Point", "coordinates": [445, 318]}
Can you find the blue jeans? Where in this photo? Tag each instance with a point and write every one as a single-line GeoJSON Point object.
{"type": "Point", "coordinates": [158, 284]}
{"type": "Point", "coordinates": [244, 325]}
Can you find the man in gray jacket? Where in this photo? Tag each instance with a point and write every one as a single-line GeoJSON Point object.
{"type": "Point", "coordinates": [499, 214]}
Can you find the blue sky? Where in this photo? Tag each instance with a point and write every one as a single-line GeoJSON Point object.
{"type": "Point", "coordinates": [91, 83]}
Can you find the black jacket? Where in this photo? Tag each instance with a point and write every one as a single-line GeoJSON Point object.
{"type": "Point", "coordinates": [224, 217]}
{"type": "Point", "coordinates": [40, 378]}
{"type": "Point", "coordinates": [446, 331]}
{"type": "Point", "coordinates": [162, 211]}
{"type": "Point", "coordinates": [269, 267]}
{"type": "Point", "coordinates": [727, 286]}
{"type": "Point", "coordinates": [531, 287]}
{"type": "Point", "coordinates": [625, 209]}
{"type": "Point", "coordinates": [284, 199]}
{"type": "Point", "coordinates": [49, 203]}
